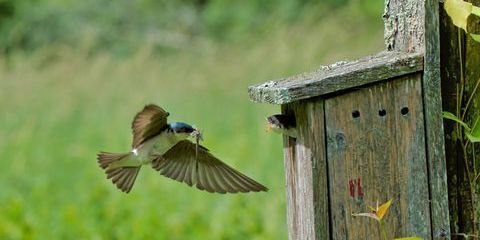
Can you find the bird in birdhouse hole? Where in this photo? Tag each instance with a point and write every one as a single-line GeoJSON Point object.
{"type": "Point", "coordinates": [283, 124]}
{"type": "Point", "coordinates": [167, 148]}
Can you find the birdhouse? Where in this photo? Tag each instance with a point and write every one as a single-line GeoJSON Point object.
{"type": "Point", "coordinates": [368, 131]}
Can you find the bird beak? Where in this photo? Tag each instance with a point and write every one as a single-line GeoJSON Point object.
{"type": "Point", "coordinates": [268, 128]}
{"type": "Point", "coordinates": [197, 134]}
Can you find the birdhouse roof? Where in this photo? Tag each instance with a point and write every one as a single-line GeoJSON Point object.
{"type": "Point", "coordinates": [337, 77]}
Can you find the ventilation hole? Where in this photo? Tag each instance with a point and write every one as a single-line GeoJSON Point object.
{"type": "Point", "coordinates": [382, 112]}
{"type": "Point", "coordinates": [404, 111]}
{"type": "Point", "coordinates": [355, 114]}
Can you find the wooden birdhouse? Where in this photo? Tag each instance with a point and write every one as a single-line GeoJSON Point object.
{"type": "Point", "coordinates": [369, 130]}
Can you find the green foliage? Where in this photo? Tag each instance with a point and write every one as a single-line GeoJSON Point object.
{"type": "Point", "coordinates": [453, 117]}
{"type": "Point", "coordinates": [61, 105]}
{"type": "Point", "coordinates": [459, 11]}
{"type": "Point", "coordinates": [124, 26]}
{"type": "Point", "coordinates": [466, 133]}
{"type": "Point", "coordinates": [472, 133]}
{"type": "Point", "coordinates": [6, 9]}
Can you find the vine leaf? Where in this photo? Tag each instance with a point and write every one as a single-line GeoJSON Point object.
{"type": "Point", "coordinates": [458, 10]}
{"type": "Point", "coordinates": [472, 138]}
{"type": "Point", "coordinates": [476, 10]}
{"type": "Point", "coordinates": [475, 37]}
{"type": "Point", "coordinates": [451, 116]}
{"type": "Point", "coordinates": [473, 134]}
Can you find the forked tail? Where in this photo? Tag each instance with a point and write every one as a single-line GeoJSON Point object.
{"type": "Point", "coordinates": [122, 177]}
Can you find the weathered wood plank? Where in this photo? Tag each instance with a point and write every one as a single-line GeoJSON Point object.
{"type": "Point", "coordinates": [306, 173]}
{"type": "Point", "coordinates": [411, 36]}
{"type": "Point", "coordinates": [404, 25]}
{"type": "Point", "coordinates": [376, 155]}
{"type": "Point", "coordinates": [290, 178]}
{"type": "Point", "coordinates": [337, 77]}
{"type": "Point", "coordinates": [458, 204]}
{"type": "Point", "coordinates": [412, 26]}
{"type": "Point", "coordinates": [432, 100]}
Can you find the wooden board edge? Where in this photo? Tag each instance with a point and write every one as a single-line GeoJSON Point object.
{"type": "Point", "coordinates": [306, 173]}
{"type": "Point", "coordinates": [329, 79]}
{"type": "Point", "coordinates": [432, 99]}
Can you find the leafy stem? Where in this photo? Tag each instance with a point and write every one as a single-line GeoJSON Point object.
{"type": "Point", "coordinates": [382, 229]}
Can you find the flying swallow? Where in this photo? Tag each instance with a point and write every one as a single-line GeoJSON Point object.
{"type": "Point", "coordinates": [165, 146]}
{"type": "Point", "coordinates": [283, 124]}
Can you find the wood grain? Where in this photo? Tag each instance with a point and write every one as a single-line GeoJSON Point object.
{"type": "Point", "coordinates": [413, 26]}
{"type": "Point", "coordinates": [306, 173]}
{"type": "Point", "coordinates": [387, 154]}
{"type": "Point", "coordinates": [458, 204]}
{"type": "Point", "coordinates": [337, 77]}
{"type": "Point", "coordinates": [432, 100]}
{"type": "Point", "coordinates": [393, 156]}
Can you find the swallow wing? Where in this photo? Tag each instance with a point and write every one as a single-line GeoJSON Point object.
{"type": "Point", "coordinates": [205, 171]}
{"type": "Point", "coordinates": [148, 123]}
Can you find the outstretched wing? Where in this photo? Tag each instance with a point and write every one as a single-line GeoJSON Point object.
{"type": "Point", "coordinates": [204, 171]}
{"type": "Point", "coordinates": [148, 123]}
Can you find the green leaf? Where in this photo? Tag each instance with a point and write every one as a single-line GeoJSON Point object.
{"type": "Point", "coordinates": [476, 10]}
{"type": "Point", "coordinates": [451, 116]}
{"type": "Point", "coordinates": [474, 134]}
{"type": "Point", "coordinates": [475, 37]}
{"type": "Point", "coordinates": [476, 127]}
{"type": "Point", "coordinates": [458, 10]}
{"type": "Point", "coordinates": [408, 238]}
{"type": "Point", "coordinates": [472, 138]}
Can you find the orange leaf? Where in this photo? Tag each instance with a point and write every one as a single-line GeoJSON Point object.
{"type": "Point", "coordinates": [382, 210]}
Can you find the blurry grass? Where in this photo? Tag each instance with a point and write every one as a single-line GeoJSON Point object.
{"type": "Point", "coordinates": [59, 107]}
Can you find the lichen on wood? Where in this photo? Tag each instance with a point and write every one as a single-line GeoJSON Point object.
{"type": "Point", "coordinates": [338, 77]}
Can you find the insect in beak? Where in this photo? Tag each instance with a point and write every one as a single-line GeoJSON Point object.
{"type": "Point", "coordinates": [198, 136]}
{"type": "Point", "coordinates": [268, 128]}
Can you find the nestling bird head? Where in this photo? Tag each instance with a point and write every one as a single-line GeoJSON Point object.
{"type": "Point", "coordinates": [280, 121]}
{"type": "Point", "coordinates": [284, 124]}
{"type": "Point", "coordinates": [184, 130]}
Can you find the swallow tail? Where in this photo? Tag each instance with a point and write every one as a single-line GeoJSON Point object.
{"type": "Point", "coordinates": [123, 177]}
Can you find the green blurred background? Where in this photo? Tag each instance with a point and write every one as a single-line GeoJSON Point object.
{"type": "Point", "coordinates": [73, 74]}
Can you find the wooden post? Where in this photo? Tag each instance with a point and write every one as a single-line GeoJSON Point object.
{"type": "Point", "coordinates": [306, 181]}
{"type": "Point", "coordinates": [368, 130]}
{"type": "Point", "coordinates": [413, 25]}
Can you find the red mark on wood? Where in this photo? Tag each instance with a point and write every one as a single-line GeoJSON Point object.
{"type": "Point", "coordinates": [351, 187]}
{"type": "Point", "coordinates": [359, 186]}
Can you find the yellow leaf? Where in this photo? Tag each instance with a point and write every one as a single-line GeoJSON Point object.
{"type": "Point", "coordinates": [458, 10]}
{"type": "Point", "coordinates": [476, 10]}
{"type": "Point", "coordinates": [408, 238]}
{"type": "Point", "coordinates": [382, 210]}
